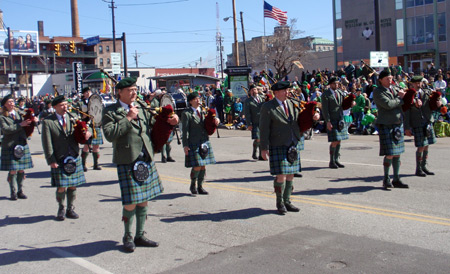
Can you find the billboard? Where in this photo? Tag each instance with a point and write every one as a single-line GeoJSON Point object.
{"type": "Point", "coordinates": [22, 42]}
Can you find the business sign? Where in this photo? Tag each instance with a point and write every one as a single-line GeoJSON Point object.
{"type": "Point", "coordinates": [379, 59]}
{"type": "Point", "coordinates": [92, 41]}
{"type": "Point", "coordinates": [115, 69]}
{"type": "Point", "coordinates": [78, 76]}
{"type": "Point", "coordinates": [12, 78]}
{"type": "Point", "coordinates": [22, 42]}
{"type": "Point", "coordinates": [115, 58]}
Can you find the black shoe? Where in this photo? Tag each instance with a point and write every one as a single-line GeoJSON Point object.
{"type": "Point", "coordinates": [21, 195]}
{"type": "Point", "coordinates": [339, 164]}
{"type": "Point", "coordinates": [290, 207]}
{"type": "Point", "coordinates": [260, 158]}
{"type": "Point", "coordinates": [170, 159]}
{"type": "Point", "coordinates": [13, 196]}
{"type": "Point", "coordinates": [143, 241]}
{"type": "Point", "coordinates": [60, 214]}
{"type": "Point", "coordinates": [298, 175]}
{"type": "Point", "coordinates": [387, 184]}
{"type": "Point", "coordinates": [85, 169]}
{"type": "Point", "coordinates": [193, 190]}
{"type": "Point", "coordinates": [128, 243]}
{"type": "Point", "coordinates": [399, 184]}
{"type": "Point", "coordinates": [254, 156]}
{"type": "Point", "coordinates": [97, 168]}
{"type": "Point", "coordinates": [427, 172]}
{"type": "Point", "coordinates": [281, 208]}
{"type": "Point", "coordinates": [70, 213]}
{"type": "Point", "coordinates": [163, 160]}
{"type": "Point", "coordinates": [333, 165]}
{"type": "Point", "coordinates": [420, 173]}
{"type": "Point", "coordinates": [202, 191]}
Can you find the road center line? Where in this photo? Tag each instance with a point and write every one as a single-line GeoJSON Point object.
{"type": "Point", "coordinates": [79, 261]}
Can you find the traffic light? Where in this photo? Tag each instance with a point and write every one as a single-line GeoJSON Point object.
{"type": "Point", "coordinates": [72, 47]}
{"type": "Point", "coordinates": [58, 49]}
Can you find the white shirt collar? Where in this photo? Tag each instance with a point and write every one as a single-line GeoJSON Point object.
{"type": "Point", "coordinates": [280, 102]}
{"type": "Point", "coordinates": [125, 106]}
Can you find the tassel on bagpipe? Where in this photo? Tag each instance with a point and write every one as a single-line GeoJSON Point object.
{"type": "Point", "coordinates": [434, 99]}
{"type": "Point", "coordinates": [408, 99]}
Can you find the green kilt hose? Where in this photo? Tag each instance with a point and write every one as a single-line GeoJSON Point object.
{"type": "Point", "coordinates": [335, 134]}
{"type": "Point", "coordinates": [279, 164]}
{"type": "Point", "coordinates": [255, 132]}
{"type": "Point", "coordinates": [8, 161]}
{"type": "Point", "coordinates": [99, 139]}
{"type": "Point", "coordinates": [194, 159]}
{"type": "Point", "coordinates": [420, 138]}
{"type": "Point", "coordinates": [388, 145]}
{"type": "Point", "coordinates": [60, 179]}
{"type": "Point", "coordinates": [135, 192]}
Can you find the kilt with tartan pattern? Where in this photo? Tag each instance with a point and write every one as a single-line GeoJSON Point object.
{"type": "Point", "coordinates": [135, 192]}
{"type": "Point", "coordinates": [420, 139]}
{"type": "Point", "coordinates": [99, 139]}
{"type": "Point", "coordinates": [278, 160]}
{"type": "Point", "coordinates": [389, 146]}
{"type": "Point", "coordinates": [335, 134]}
{"type": "Point", "coordinates": [301, 143]}
{"type": "Point", "coordinates": [255, 132]}
{"type": "Point", "coordinates": [170, 137]}
{"type": "Point", "coordinates": [193, 158]}
{"type": "Point", "coordinates": [8, 162]}
{"type": "Point", "coordinates": [60, 179]}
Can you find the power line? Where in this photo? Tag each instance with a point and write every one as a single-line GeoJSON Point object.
{"type": "Point", "coordinates": [172, 42]}
{"type": "Point", "coordinates": [148, 4]}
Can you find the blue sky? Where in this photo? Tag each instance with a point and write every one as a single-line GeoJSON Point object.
{"type": "Point", "coordinates": [171, 33]}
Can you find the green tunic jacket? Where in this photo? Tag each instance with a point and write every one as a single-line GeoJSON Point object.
{"type": "Point", "coordinates": [13, 132]}
{"type": "Point", "coordinates": [193, 128]}
{"type": "Point", "coordinates": [252, 110]}
{"type": "Point", "coordinates": [389, 106]}
{"type": "Point", "coordinates": [56, 142]}
{"type": "Point", "coordinates": [275, 127]}
{"type": "Point", "coordinates": [129, 138]}
{"type": "Point", "coordinates": [417, 117]}
{"type": "Point", "coordinates": [331, 106]}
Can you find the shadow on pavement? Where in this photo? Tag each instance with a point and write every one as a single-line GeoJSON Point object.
{"type": "Point", "coordinates": [369, 179]}
{"type": "Point", "coordinates": [240, 214]}
{"type": "Point", "coordinates": [110, 198]}
{"type": "Point", "coordinates": [332, 191]}
{"type": "Point", "coordinates": [171, 196]}
{"type": "Point", "coordinates": [48, 253]}
{"type": "Point", "coordinates": [313, 168]}
{"type": "Point", "coordinates": [25, 220]}
{"type": "Point", "coordinates": [99, 183]}
{"type": "Point", "coordinates": [233, 162]}
{"type": "Point", "coordinates": [38, 175]}
{"type": "Point", "coordinates": [243, 179]}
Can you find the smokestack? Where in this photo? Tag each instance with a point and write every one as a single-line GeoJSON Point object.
{"type": "Point", "coordinates": [41, 28]}
{"type": "Point", "coordinates": [75, 22]}
{"type": "Point", "coordinates": [1, 19]}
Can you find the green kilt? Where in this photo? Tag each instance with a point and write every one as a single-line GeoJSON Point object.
{"type": "Point", "coordinates": [279, 164]}
{"type": "Point", "coordinates": [335, 134]}
{"type": "Point", "coordinates": [420, 139]}
{"type": "Point", "coordinates": [60, 179]}
{"type": "Point", "coordinates": [8, 162]}
{"type": "Point", "coordinates": [135, 192]}
{"type": "Point", "coordinates": [388, 145]}
{"type": "Point", "coordinates": [301, 143]}
{"type": "Point", "coordinates": [255, 132]}
{"type": "Point", "coordinates": [193, 158]}
{"type": "Point", "coordinates": [99, 139]}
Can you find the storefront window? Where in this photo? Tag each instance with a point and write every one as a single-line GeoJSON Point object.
{"type": "Point", "coordinates": [400, 33]}
{"type": "Point", "coordinates": [442, 30]}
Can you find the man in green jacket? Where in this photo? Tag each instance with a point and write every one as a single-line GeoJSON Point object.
{"type": "Point", "coordinates": [389, 101]}
{"type": "Point", "coordinates": [252, 111]}
{"type": "Point", "coordinates": [418, 123]}
{"type": "Point", "coordinates": [128, 126]}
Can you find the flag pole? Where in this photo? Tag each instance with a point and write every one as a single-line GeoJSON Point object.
{"type": "Point", "coordinates": [265, 40]}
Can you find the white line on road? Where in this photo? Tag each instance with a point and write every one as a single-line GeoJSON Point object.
{"type": "Point", "coordinates": [81, 262]}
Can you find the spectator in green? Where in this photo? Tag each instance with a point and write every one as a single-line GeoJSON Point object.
{"type": "Point", "coordinates": [358, 110]}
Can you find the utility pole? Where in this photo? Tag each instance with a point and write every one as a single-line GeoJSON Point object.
{"type": "Point", "coordinates": [112, 6]}
{"type": "Point", "coordinates": [377, 26]}
{"type": "Point", "coordinates": [236, 45]}
{"type": "Point", "coordinates": [136, 58]}
{"type": "Point", "coordinates": [243, 38]}
{"type": "Point", "coordinates": [125, 63]}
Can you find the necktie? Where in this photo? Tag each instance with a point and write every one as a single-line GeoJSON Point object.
{"type": "Point", "coordinates": [64, 123]}
{"type": "Point", "coordinates": [13, 116]}
{"type": "Point", "coordinates": [286, 109]}
{"type": "Point", "coordinates": [129, 107]}
{"type": "Point", "coordinates": [198, 113]}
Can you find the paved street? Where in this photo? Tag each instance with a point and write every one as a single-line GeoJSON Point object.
{"type": "Point", "coordinates": [347, 223]}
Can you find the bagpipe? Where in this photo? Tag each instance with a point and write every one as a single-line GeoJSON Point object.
{"type": "Point", "coordinates": [348, 101]}
{"type": "Point", "coordinates": [435, 97]}
{"type": "Point", "coordinates": [29, 115]}
{"type": "Point", "coordinates": [210, 121]}
{"type": "Point", "coordinates": [80, 128]}
{"type": "Point", "coordinates": [81, 125]}
{"type": "Point", "coordinates": [408, 99]}
{"type": "Point", "coordinates": [307, 110]}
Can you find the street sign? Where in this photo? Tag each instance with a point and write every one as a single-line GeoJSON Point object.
{"type": "Point", "coordinates": [379, 59]}
{"type": "Point", "coordinates": [115, 58]}
{"type": "Point", "coordinates": [12, 78]}
{"type": "Point", "coordinates": [78, 76]}
{"type": "Point", "coordinates": [115, 69]}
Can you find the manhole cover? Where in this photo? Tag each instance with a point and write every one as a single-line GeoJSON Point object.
{"type": "Point", "coordinates": [337, 265]}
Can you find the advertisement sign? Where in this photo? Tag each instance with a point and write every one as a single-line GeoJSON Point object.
{"type": "Point", "coordinates": [379, 59]}
{"type": "Point", "coordinates": [22, 42]}
{"type": "Point", "coordinates": [115, 58]}
{"type": "Point", "coordinates": [78, 76]}
{"type": "Point", "coordinates": [237, 85]}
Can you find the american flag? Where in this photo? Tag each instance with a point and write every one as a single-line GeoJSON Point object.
{"type": "Point", "coordinates": [275, 13]}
